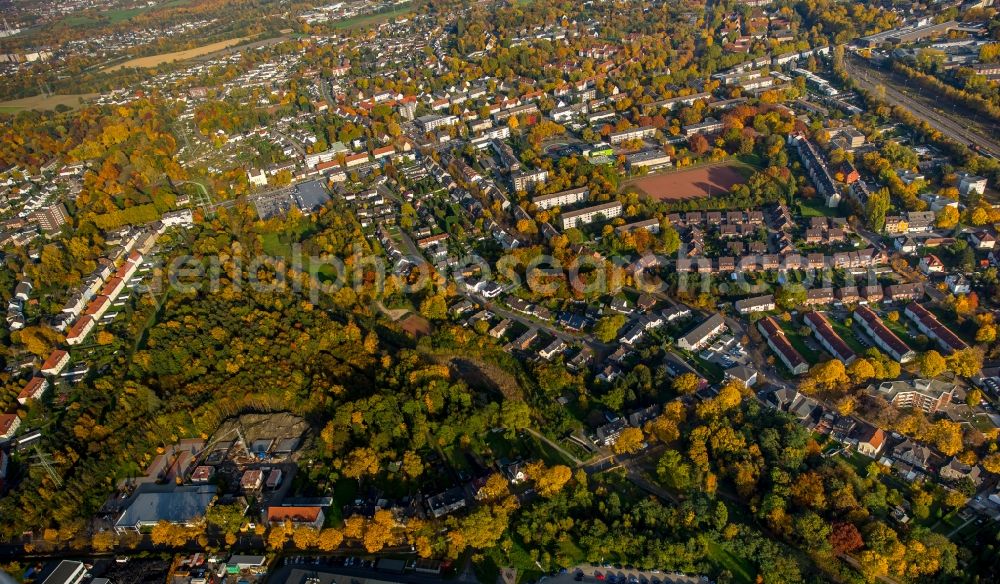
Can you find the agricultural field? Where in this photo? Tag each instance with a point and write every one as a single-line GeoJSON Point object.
{"type": "Point", "coordinates": [363, 20]}
{"type": "Point", "coordinates": [44, 102]}
{"type": "Point", "coordinates": [154, 60]}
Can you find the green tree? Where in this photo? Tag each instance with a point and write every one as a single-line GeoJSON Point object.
{"type": "Point", "coordinates": [606, 329]}
{"type": "Point", "coordinates": [876, 210]}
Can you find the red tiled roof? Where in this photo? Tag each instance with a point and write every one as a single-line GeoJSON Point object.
{"type": "Point", "coordinates": [29, 390]}
{"type": "Point", "coordinates": [825, 330]}
{"type": "Point", "coordinates": [95, 305]}
{"type": "Point", "coordinates": [53, 360]}
{"type": "Point", "coordinates": [6, 422]}
{"type": "Point", "coordinates": [77, 329]}
{"type": "Point", "coordinates": [293, 514]}
{"type": "Point", "coordinates": [883, 332]}
{"type": "Point", "coordinates": [777, 336]}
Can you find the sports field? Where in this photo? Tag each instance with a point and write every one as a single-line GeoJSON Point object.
{"type": "Point", "coordinates": [43, 102]}
{"type": "Point", "coordinates": [715, 179]}
{"type": "Point", "coordinates": [154, 60]}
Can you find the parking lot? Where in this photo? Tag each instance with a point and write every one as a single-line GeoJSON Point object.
{"type": "Point", "coordinates": [612, 575]}
{"type": "Point", "coordinates": [725, 351]}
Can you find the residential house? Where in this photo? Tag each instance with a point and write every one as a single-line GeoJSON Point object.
{"type": "Point", "coordinates": [700, 335]}
{"type": "Point", "coordinates": [828, 338]}
{"type": "Point", "coordinates": [818, 296]}
{"type": "Point", "coordinates": [756, 304]}
{"type": "Point", "coordinates": [446, 502]}
{"type": "Point", "coordinates": [958, 284]}
{"type": "Point", "coordinates": [33, 390]}
{"type": "Point", "coordinates": [928, 324]}
{"type": "Point", "coordinates": [871, 440]}
{"type": "Point", "coordinates": [883, 337]}
{"type": "Point", "coordinates": [912, 453]}
{"type": "Point", "coordinates": [983, 240]}
{"type": "Point", "coordinates": [55, 363]}
{"type": "Point", "coordinates": [9, 423]}
{"type": "Point", "coordinates": [957, 470]}
{"type": "Point", "coordinates": [744, 374]}
{"type": "Point", "coordinates": [556, 347]}
{"type": "Point", "coordinates": [779, 343]}
{"type": "Point", "coordinates": [931, 264]}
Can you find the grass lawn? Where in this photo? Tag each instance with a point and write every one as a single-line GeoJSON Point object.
{"type": "Point", "coordinates": [547, 453]}
{"type": "Point", "coordinates": [519, 558]}
{"type": "Point", "coordinates": [279, 243]}
{"type": "Point", "coordinates": [372, 18]}
{"type": "Point", "coordinates": [948, 319]}
{"type": "Point", "coordinates": [741, 568]}
{"type": "Point", "coordinates": [570, 554]}
{"type": "Point", "coordinates": [857, 461]}
{"type": "Point", "coordinates": [273, 246]}
{"type": "Point", "coordinates": [344, 493]}
{"type": "Point", "coordinates": [499, 445]}
{"type": "Point", "coordinates": [983, 423]}
{"type": "Point", "coordinates": [798, 341]}
{"type": "Point", "coordinates": [900, 329]}
{"type": "Point", "coordinates": [456, 458]}
{"type": "Point", "coordinates": [710, 370]}
{"type": "Point", "coordinates": [848, 335]}
{"type": "Point", "coordinates": [42, 102]}
{"type": "Point", "coordinates": [486, 570]}
{"type": "Point", "coordinates": [817, 208]}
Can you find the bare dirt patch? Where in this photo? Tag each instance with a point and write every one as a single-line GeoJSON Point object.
{"type": "Point", "coordinates": [479, 373]}
{"type": "Point", "coordinates": [696, 182]}
{"type": "Point", "coordinates": [416, 326]}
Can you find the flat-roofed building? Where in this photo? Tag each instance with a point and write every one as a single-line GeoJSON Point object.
{"type": "Point", "coordinates": [928, 395]}
{"type": "Point", "coordinates": [561, 199]}
{"type": "Point", "coordinates": [527, 179]}
{"type": "Point", "coordinates": [755, 304]}
{"type": "Point", "coordinates": [632, 134]}
{"type": "Point", "coordinates": [649, 160]}
{"type": "Point", "coordinates": [650, 225]}
{"type": "Point", "coordinates": [590, 214]}
{"type": "Point", "coordinates": [51, 218]}
{"type": "Point", "coordinates": [177, 504]}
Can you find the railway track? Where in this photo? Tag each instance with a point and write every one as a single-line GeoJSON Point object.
{"type": "Point", "coordinates": [972, 133]}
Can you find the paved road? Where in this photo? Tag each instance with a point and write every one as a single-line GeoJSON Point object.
{"type": "Point", "coordinates": [951, 125]}
{"type": "Point", "coordinates": [547, 327]}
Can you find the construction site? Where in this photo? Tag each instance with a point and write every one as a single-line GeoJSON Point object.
{"type": "Point", "coordinates": [250, 458]}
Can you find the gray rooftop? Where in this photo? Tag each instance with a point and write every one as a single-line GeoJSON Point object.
{"type": "Point", "coordinates": [178, 504]}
